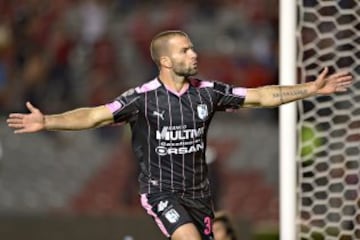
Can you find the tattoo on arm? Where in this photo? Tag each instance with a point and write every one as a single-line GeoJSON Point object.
{"type": "Point", "coordinates": [294, 93]}
{"type": "Point", "coordinates": [281, 96]}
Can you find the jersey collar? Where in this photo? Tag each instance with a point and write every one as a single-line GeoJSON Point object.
{"type": "Point", "coordinates": [173, 91]}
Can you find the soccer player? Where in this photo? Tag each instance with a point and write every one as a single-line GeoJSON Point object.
{"type": "Point", "coordinates": [169, 117]}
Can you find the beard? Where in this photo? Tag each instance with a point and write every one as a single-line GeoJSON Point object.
{"type": "Point", "coordinates": [183, 71]}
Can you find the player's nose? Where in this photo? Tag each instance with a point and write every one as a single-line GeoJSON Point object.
{"type": "Point", "coordinates": [193, 54]}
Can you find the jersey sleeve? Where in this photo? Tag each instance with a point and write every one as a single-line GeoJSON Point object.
{"type": "Point", "coordinates": [125, 107]}
{"type": "Point", "coordinates": [228, 97]}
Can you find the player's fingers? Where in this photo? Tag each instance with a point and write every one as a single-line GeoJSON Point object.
{"type": "Point", "coordinates": [15, 125]}
{"type": "Point", "coordinates": [324, 72]}
{"type": "Point", "coordinates": [16, 115]}
{"type": "Point", "coordinates": [31, 107]}
{"type": "Point", "coordinates": [21, 131]}
{"type": "Point", "coordinates": [345, 83]}
{"type": "Point", "coordinates": [14, 120]}
{"type": "Point", "coordinates": [345, 86]}
{"type": "Point", "coordinates": [341, 89]}
{"type": "Point", "coordinates": [344, 79]}
{"type": "Point", "coordinates": [340, 74]}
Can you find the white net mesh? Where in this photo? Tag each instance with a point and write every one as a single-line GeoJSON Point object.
{"type": "Point", "coordinates": [329, 127]}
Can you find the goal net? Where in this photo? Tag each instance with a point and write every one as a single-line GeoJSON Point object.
{"type": "Point", "coordinates": [328, 156]}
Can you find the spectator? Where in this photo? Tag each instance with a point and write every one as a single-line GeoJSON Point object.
{"type": "Point", "coordinates": [223, 227]}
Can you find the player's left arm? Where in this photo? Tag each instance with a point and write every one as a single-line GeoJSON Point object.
{"type": "Point", "coordinates": [275, 95]}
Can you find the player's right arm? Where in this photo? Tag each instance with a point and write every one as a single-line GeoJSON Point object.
{"type": "Point", "coordinates": [77, 119]}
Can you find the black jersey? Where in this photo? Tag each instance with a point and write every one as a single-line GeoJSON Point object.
{"type": "Point", "coordinates": [169, 132]}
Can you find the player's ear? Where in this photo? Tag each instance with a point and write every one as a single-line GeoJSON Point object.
{"type": "Point", "coordinates": [165, 62]}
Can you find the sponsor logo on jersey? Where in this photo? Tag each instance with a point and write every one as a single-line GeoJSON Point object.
{"type": "Point", "coordinates": [162, 205]}
{"type": "Point", "coordinates": [172, 216]}
{"type": "Point", "coordinates": [159, 114]}
{"type": "Point", "coordinates": [162, 151]}
{"type": "Point", "coordinates": [179, 140]}
{"type": "Point", "coordinates": [173, 134]}
{"type": "Point", "coordinates": [202, 111]}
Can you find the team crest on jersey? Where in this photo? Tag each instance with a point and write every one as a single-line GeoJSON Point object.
{"type": "Point", "coordinates": [202, 111]}
{"type": "Point", "coordinates": [172, 216]}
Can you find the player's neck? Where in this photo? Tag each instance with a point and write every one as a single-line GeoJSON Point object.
{"type": "Point", "coordinates": [174, 82]}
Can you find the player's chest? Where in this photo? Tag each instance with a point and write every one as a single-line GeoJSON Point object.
{"type": "Point", "coordinates": [188, 109]}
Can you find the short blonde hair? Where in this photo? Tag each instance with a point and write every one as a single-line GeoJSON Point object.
{"type": "Point", "coordinates": [158, 44]}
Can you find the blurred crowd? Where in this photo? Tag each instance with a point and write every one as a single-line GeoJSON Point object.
{"type": "Point", "coordinates": [61, 54]}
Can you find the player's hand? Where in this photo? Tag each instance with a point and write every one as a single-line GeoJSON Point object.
{"type": "Point", "coordinates": [337, 82]}
{"type": "Point", "coordinates": [27, 123]}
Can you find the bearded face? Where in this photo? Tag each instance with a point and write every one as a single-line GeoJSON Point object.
{"type": "Point", "coordinates": [182, 56]}
{"type": "Point", "coordinates": [184, 69]}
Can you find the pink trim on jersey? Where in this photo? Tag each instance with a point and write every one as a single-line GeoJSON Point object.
{"type": "Point", "coordinates": [149, 86]}
{"type": "Point", "coordinates": [239, 91]}
{"type": "Point", "coordinates": [201, 83]}
{"type": "Point", "coordinates": [181, 92]}
{"type": "Point", "coordinates": [148, 208]}
{"type": "Point", "coordinates": [114, 106]}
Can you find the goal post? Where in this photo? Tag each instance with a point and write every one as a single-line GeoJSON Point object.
{"type": "Point", "coordinates": [320, 153]}
{"type": "Point", "coordinates": [287, 122]}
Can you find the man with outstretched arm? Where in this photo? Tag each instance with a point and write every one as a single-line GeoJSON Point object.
{"type": "Point", "coordinates": [169, 118]}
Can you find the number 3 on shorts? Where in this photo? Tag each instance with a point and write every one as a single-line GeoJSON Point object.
{"type": "Point", "coordinates": [207, 222]}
